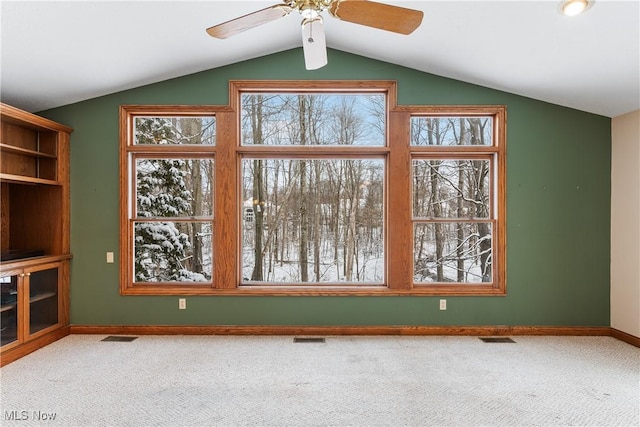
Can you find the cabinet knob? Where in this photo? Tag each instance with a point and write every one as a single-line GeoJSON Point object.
{"type": "Point", "coordinates": [28, 274]}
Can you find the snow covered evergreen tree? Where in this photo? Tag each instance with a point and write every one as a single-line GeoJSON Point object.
{"type": "Point", "coordinates": [161, 192]}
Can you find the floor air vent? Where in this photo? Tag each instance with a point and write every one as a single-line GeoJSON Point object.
{"type": "Point", "coordinates": [498, 340]}
{"type": "Point", "coordinates": [297, 339]}
{"type": "Point", "coordinates": [114, 338]}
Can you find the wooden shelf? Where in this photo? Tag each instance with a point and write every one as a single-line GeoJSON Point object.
{"type": "Point", "coordinates": [20, 179]}
{"type": "Point", "coordinates": [42, 296]}
{"type": "Point", "coordinates": [7, 307]}
{"type": "Point", "coordinates": [7, 148]}
{"type": "Point", "coordinates": [35, 298]}
{"type": "Point", "coordinates": [30, 262]}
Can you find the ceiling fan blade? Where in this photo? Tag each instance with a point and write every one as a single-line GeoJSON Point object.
{"type": "Point", "coordinates": [377, 15]}
{"type": "Point", "coordinates": [251, 20]}
{"type": "Point", "coordinates": [313, 43]}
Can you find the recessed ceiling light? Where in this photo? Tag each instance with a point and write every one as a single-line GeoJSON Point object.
{"type": "Point", "coordinates": [574, 7]}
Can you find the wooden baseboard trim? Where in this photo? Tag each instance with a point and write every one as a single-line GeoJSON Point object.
{"type": "Point", "coordinates": [33, 345]}
{"type": "Point", "coordinates": [623, 336]}
{"type": "Point", "coordinates": [340, 330]}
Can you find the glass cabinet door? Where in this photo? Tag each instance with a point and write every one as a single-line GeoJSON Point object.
{"type": "Point", "coordinates": [43, 298]}
{"type": "Point", "coordinates": [9, 308]}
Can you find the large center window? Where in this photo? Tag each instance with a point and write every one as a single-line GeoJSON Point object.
{"type": "Point", "coordinates": [310, 216]}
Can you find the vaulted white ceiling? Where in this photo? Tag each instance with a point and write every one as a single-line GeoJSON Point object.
{"type": "Point", "coordinates": [55, 53]}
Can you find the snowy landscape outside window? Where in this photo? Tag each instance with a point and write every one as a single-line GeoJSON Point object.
{"type": "Point", "coordinates": [170, 246]}
{"type": "Point", "coordinates": [312, 188]}
{"type": "Point", "coordinates": [453, 207]}
{"type": "Point", "coordinates": [172, 214]}
{"type": "Point", "coordinates": [313, 220]}
{"type": "Point", "coordinates": [318, 221]}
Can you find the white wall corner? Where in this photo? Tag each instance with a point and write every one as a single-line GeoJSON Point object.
{"type": "Point", "coordinates": [625, 223]}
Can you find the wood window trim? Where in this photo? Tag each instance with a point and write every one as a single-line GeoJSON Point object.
{"type": "Point", "coordinates": [498, 179]}
{"type": "Point", "coordinates": [398, 153]}
{"type": "Point", "coordinates": [129, 152]}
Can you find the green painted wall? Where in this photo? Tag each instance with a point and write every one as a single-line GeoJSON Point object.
{"type": "Point", "coordinates": [558, 211]}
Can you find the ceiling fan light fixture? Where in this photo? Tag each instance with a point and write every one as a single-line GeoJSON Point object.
{"type": "Point", "coordinates": [313, 43]}
{"type": "Point", "coordinates": [574, 7]}
{"type": "Point", "coordinates": [309, 13]}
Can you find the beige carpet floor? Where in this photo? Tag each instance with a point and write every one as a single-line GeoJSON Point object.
{"type": "Point", "coordinates": [345, 381]}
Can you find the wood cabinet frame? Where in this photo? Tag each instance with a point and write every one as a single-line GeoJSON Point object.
{"type": "Point", "coordinates": [397, 153]}
{"type": "Point", "coordinates": [35, 212]}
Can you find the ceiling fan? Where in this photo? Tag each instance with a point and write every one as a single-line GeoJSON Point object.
{"type": "Point", "coordinates": [377, 15]}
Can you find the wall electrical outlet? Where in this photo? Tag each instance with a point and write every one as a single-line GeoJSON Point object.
{"type": "Point", "coordinates": [182, 303]}
{"type": "Point", "coordinates": [443, 304]}
{"type": "Point", "coordinates": [109, 257]}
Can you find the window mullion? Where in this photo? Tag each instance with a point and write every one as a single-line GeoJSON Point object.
{"type": "Point", "coordinates": [226, 250]}
{"type": "Point", "coordinates": [398, 218]}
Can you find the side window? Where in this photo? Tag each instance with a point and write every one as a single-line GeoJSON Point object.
{"type": "Point", "coordinates": [169, 164]}
{"type": "Point", "coordinates": [457, 200]}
